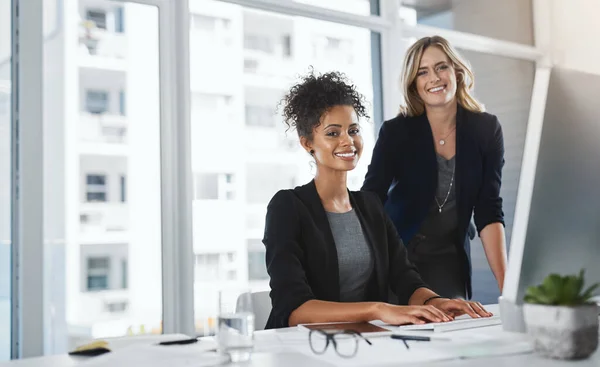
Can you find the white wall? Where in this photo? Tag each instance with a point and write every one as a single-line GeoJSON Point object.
{"type": "Point", "coordinates": [573, 32]}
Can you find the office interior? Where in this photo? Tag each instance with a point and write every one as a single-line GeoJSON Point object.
{"type": "Point", "coordinates": [150, 143]}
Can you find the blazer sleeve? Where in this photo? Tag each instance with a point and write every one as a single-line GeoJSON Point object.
{"type": "Point", "coordinates": [488, 207]}
{"type": "Point", "coordinates": [404, 278]}
{"type": "Point", "coordinates": [380, 171]}
{"type": "Point", "coordinates": [285, 258]}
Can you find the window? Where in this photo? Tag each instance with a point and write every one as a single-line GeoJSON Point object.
{"type": "Point", "coordinates": [118, 185]}
{"type": "Point", "coordinates": [333, 43]}
{"type": "Point", "coordinates": [4, 103]}
{"type": "Point", "coordinates": [123, 189]}
{"type": "Point", "coordinates": [257, 266]}
{"type": "Point", "coordinates": [98, 17]}
{"type": "Point", "coordinates": [96, 188]}
{"type": "Point", "coordinates": [214, 186]}
{"type": "Point", "coordinates": [333, 49]}
{"type": "Point", "coordinates": [124, 274]}
{"type": "Point", "coordinates": [264, 180]}
{"type": "Point", "coordinates": [122, 107]}
{"type": "Point", "coordinates": [96, 101]}
{"type": "Point", "coordinates": [287, 45]}
{"type": "Point", "coordinates": [216, 267]}
{"type": "Point", "coordinates": [206, 186]}
{"type": "Point", "coordinates": [258, 42]}
{"type": "Point", "coordinates": [360, 7]}
{"type": "Point", "coordinates": [116, 307]}
{"type": "Point", "coordinates": [205, 106]}
{"type": "Point", "coordinates": [201, 22]}
{"type": "Point", "coordinates": [491, 18]}
{"type": "Point", "coordinates": [250, 65]}
{"type": "Point", "coordinates": [260, 116]}
{"type": "Point", "coordinates": [207, 267]}
{"type": "Point", "coordinates": [98, 271]}
{"type": "Point", "coordinates": [119, 20]}
{"type": "Point", "coordinates": [5, 184]}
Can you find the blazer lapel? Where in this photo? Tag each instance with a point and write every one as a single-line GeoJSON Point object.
{"type": "Point", "coordinates": [462, 165]}
{"type": "Point", "coordinates": [309, 195]}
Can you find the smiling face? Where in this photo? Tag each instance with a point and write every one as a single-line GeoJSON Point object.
{"type": "Point", "coordinates": [436, 78]}
{"type": "Point", "coordinates": [336, 143]}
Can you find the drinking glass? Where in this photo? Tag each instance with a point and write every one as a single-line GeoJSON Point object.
{"type": "Point", "coordinates": [235, 327]}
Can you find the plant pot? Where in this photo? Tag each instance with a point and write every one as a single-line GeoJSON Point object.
{"type": "Point", "coordinates": [562, 332]}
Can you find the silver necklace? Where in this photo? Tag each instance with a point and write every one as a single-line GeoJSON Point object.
{"type": "Point", "coordinates": [447, 194]}
{"type": "Point", "coordinates": [443, 140]}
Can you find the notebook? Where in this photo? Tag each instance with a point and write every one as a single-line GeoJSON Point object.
{"type": "Point", "coordinates": [365, 328]}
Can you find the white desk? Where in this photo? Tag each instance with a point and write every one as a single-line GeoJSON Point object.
{"type": "Point", "coordinates": [270, 355]}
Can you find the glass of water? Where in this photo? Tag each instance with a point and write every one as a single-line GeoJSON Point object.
{"type": "Point", "coordinates": [235, 329]}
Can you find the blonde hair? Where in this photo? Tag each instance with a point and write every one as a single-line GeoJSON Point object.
{"type": "Point", "coordinates": [465, 80]}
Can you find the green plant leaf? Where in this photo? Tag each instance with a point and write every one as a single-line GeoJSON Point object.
{"type": "Point", "coordinates": [561, 290]}
{"type": "Point", "coordinates": [551, 287]}
{"type": "Point", "coordinates": [540, 295]}
{"type": "Point", "coordinates": [571, 290]}
{"type": "Point", "coordinates": [589, 292]}
{"type": "Point", "coordinates": [530, 299]}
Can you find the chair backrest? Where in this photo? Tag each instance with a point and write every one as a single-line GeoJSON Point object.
{"type": "Point", "coordinates": [261, 304]}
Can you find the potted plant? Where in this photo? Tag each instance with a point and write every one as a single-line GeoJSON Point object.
{"type": "Point", "coordinates": [561, 318]}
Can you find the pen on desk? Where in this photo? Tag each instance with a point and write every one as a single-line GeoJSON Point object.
{"type": "Point", "coordinates": [404, 338]}
{"type": "Point", "coordinates": [179, 342]}
{"type": "Point", "coordinates": [417, 338]}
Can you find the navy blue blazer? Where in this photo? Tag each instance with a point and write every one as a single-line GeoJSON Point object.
{"type": "Point", "coordinates": [302, 257]}
{"type": "Point", "coordinates": [404, 174]}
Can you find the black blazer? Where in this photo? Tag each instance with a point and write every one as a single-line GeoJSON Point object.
{"type": "Point", "coordinates": [404, 174]}
{"type": "Point", "coordinates": [302, 258]}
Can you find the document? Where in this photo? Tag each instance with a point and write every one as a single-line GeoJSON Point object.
{"type": "Point", "coordinates": [383, 351]}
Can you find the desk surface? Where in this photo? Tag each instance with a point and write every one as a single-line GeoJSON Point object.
{"type": "Point", "coordinates": [290, 359]}
{"type": "Point", "coordinates": [268, 355]}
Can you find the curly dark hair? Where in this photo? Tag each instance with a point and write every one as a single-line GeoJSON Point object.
{"type": "Point", "coordinates": [314, 95]}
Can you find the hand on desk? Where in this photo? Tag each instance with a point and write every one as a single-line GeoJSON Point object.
{"type": "Point", "coordinates": [457, 307]}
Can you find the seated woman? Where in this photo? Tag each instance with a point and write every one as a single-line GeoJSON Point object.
{"type": "Point", "coordinates": [333, 254]}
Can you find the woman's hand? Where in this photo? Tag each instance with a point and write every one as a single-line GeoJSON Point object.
{"type": "Point", "coordinates": [459, 307]}
{"type": "Point", "coordinates": [401, 315]}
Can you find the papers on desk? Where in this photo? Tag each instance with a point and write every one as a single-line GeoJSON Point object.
{"type": "Point", "coordinates": [383, 351]}
{"type": "Point", "coordinates": [447, 346]}
{"type": "Point", "coordinates": [197, 355]}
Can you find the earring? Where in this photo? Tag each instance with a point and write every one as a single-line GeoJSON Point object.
{"type": "Point", "coordinates": [312, 151]}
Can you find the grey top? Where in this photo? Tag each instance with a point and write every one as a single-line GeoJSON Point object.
{"type": "Point", "coordinates": [355, 260]}
{"type": "Point", "coordinates": [437, 235]}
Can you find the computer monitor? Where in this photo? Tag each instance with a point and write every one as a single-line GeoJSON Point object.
{"type": "Point", "coordinates": [557, 217]}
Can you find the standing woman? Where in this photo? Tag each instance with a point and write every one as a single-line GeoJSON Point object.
{"type": "Point", "coordinates": [438, 162]}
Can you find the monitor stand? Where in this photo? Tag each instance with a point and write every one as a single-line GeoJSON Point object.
{"type": "Point", "coordinates": [511, 315]}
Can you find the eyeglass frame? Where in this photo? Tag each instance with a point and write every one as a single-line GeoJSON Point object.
{"type": "Point", "coordinates": [329, 338]}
